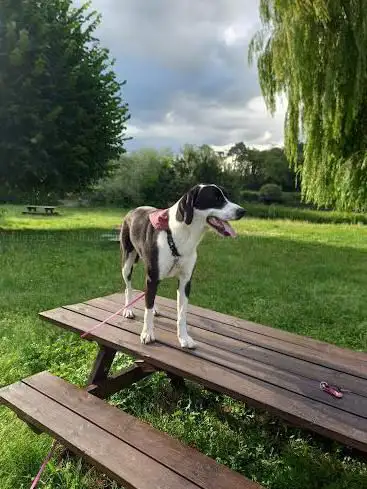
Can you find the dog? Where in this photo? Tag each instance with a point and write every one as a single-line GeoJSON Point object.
{"type": "Point", "coordinates": [166, 241]}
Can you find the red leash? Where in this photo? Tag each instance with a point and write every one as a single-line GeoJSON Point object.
{"type": "Point", "coordinates": [43, 466]}
{"type": "Point", "coordinates": [137, 298]}
{"type": "Point", "coordinates": [333, 390]}
{"type": "Point", "coordinates": [86, 333]}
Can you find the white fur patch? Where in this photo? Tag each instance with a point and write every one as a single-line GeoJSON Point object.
{"type": "Point", "coordinates": [147, 335]}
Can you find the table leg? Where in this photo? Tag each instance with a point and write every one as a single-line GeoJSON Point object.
{"type": "Point", "coordinates": [100, 384]}
{"type": "Point", "coordinates": [177, 382]}
{"type": "Point", "coordinates": [102, 365]}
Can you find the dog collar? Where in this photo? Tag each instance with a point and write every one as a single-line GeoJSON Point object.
{"type": "Point", "coordinates": [159, 220]}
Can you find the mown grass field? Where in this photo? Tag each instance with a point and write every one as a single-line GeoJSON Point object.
{"type": "Point", "coordinates": [301, 277]}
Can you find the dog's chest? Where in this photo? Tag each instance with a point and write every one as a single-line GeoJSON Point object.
{"type": "Point", "coordinates": [174, 269]}
{"type": "Point", "coordinates": [170, 265]}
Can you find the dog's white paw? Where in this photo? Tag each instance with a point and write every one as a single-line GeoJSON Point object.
{"type": "Point", "coordinates": [155, 311]}
{"type": "Point", "coordinates": [128, 314]}
{"type": "Point", "coordinates": [147, 337]}
{"type": "Point", "coordinates": [187, 342]}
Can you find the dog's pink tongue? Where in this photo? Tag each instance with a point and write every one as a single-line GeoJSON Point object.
{"type": "Point", "coordinates": [229, 229]}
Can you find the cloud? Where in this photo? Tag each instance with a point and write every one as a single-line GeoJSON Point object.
{"type": "Point", "coordinates": [176, 34]}
{"type": "Point", "coordinates": [188, 80]}
{"type": "Point", "coordinates": [216, 124]}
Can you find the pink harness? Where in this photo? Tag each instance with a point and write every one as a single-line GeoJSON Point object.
{"type": "Point", "coordinates": [159, 219]}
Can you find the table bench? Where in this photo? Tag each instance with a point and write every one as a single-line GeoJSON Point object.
{"type": "Point", "coordinates": [49, 210]}
{"type": "Point", "coordinates": [119, 445]}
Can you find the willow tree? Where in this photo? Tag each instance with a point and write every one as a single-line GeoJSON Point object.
{"type": "Point", "coordinates": [315, 53]}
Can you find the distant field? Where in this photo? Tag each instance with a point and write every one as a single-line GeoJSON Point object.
{"type": "Point", "coordinates": [299, 276]}
{"type": "Point", "coordinates": [69, 219]}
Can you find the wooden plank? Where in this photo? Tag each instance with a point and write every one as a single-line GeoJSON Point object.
{"type": "Point", "coordinates": [336, 358]}
{"type": "Point", "coordinates": [119, 381]}
{"type": "Point", "coordinates": [182, 459]}
{"type": "Point", "coordinates": [99, 447]}
{"type": "Point", "coordinates": [244, 325]}
{"type": "Point", "coordinates": [165, 333]}
{"type": "Point", "coordinates": [326, 420]}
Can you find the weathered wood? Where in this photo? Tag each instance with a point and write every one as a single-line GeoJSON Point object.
{"type": "Point", "coordinates": [238, 344]}
{"type": "Point", "coordinates": [118, 460]}
{"type": "Point", "coordinates": [114, 441]}
{"type": "Point", "coordinates": [295, 346]}
{"type": "Point", "coordinates": [244, 325]}
{"type": "Point", "coordinates": [102, 365]}
{"type": "Point", "coordinates": [229, 354]}
{"type": "Point", "coordinates": [121, 380]}
{"type": "Point", "coordinates": [294, 407]}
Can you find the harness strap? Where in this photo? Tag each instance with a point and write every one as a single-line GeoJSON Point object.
{"type": "Point", "coordinates": [171, 244]}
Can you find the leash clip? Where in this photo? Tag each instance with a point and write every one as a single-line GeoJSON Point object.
{"type": "Point", "coordinates": [333, 390]}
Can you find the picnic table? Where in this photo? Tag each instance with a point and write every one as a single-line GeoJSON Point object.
{"type": "Point", "coordinates": [265, 367]}
{"type": "Point", "coordinates": [40, 210]}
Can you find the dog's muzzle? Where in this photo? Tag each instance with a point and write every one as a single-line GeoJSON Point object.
{"type": "Point", "coordinates": [240, 212]}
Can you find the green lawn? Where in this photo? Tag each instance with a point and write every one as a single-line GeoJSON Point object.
{"type": "Point", "coordinates": [301, 277]}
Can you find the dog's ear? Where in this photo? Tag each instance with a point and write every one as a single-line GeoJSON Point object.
{"type": "Point", "coordinates": [225, 193]}
{"type": "Point", "coordinates": [185, 209]}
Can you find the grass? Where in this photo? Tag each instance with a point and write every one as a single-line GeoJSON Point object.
{"type": "Point", "coordinates": [301, 277]}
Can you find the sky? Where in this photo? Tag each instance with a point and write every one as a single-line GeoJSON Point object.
{"type": "Point", "coordinates": [188, 78]}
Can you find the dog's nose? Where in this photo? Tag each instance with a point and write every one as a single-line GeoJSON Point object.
{"type": "Point", "coordinates": [240, 212]}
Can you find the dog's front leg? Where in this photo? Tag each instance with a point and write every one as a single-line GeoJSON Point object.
{"type": "Point", "coordinates": [147, 335]}
{"type": "Point", "coordinates": [183, 293]}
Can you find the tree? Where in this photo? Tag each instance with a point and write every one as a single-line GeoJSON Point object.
{"type": "Point", "coordinates": [199, 164]}
{"type": "Point", "coordinates": [256, 168]}
{"type": "Point", "coordinates": [62, 118]}
{"type": "Point", "coordinates": [276, 169]}
{"type": "Point", "coordinates": [141, 177]}
{"type": "Point", "coordinates": [315, 53]}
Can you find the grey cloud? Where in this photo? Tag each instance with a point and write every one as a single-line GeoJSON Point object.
{"type": "Point", "coordinates": [187, 71]}
{"type": "Point", "coordinates": [182, 34]}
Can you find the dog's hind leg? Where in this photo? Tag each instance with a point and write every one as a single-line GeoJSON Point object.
{"type": "Point", "coordinates": [129, 256]}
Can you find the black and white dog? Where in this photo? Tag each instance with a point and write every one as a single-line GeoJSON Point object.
{"type": "Point", "coordinates": [166, 241]}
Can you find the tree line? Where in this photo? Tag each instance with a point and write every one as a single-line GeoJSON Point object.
{"type": "Point", "coordinates": [160, 177]}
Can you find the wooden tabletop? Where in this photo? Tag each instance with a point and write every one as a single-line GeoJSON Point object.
{"type": "Point", "coordinates": [263, 366]}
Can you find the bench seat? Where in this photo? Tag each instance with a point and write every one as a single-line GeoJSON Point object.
{"type": "Point", "coordinates": [126, 449]}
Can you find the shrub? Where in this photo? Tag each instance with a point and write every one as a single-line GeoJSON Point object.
{"type": "Point", "coordinates": [274, 211]}
{"type": "Point", "coordinates": [249, 195]}
{"type": "Point", "coordinates": [271, 193]}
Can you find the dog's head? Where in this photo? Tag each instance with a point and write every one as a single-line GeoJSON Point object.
{"type": "Point", "coordinates": [211, 203]}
